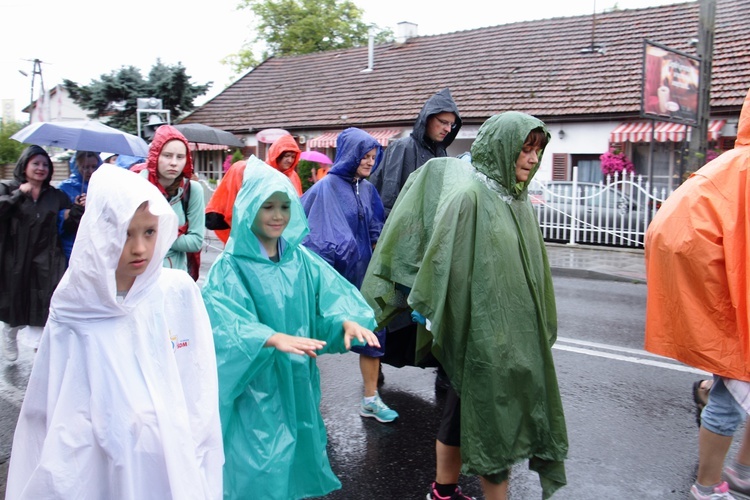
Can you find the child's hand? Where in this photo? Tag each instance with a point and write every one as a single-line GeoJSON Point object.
{"type": "Point", "coordinates": [295, 345]}
{"type": "Point", "coordinates": [353, 330]}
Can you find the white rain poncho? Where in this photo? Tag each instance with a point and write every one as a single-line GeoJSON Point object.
{"type": "Point", "coordinates": [122, 402]}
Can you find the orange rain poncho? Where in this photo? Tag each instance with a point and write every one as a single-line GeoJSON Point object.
{"type": "Point", "coordinates": [222, 200]}
{"type": "Point", "coordinates": [697, 254]}
{"type": "Point", "coordinates": [280, 146]}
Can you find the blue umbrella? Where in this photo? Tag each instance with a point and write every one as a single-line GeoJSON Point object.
{"type": "Point", "coordinates": [82, 135]}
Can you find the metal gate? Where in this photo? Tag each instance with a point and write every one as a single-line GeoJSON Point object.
{"type": "Point", "coordinates": [614, 212]}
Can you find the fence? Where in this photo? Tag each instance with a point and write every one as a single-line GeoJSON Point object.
{"type": "Point", "coordinates": [614, 212]}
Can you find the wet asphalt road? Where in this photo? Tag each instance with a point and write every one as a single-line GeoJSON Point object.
{"type": "Point", "coordinates": [630, 418]}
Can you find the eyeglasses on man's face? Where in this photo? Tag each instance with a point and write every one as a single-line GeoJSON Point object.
{"type": "Point", "coordinates": [445, 123]}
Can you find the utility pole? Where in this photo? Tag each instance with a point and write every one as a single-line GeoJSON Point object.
{"type": "Point", "coordinates": [705, 49]}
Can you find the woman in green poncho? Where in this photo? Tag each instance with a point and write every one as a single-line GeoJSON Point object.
{"type": "Point", "coordinates": [462, 245]}
{"type": "Point", "coordinates": [274, 305]}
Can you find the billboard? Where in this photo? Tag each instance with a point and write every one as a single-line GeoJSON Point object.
{"type": "Point", "coordinates": [670, 85]}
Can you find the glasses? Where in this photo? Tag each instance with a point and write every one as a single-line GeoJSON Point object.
{"type": "Point", "coordinates": [444, 123]}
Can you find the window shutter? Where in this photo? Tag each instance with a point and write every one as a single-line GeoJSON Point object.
{"type": "Point", "coordinates": [559, 167]}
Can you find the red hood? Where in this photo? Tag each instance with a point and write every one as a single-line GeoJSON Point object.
{"type": "Point", "coordinates": [163, 135]}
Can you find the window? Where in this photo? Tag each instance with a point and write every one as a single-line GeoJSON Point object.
{"type": "Point", "coordinates": [589, 168]}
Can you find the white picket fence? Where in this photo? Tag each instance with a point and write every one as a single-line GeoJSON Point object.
{"type": "Point", "coordinates": [614, 212]}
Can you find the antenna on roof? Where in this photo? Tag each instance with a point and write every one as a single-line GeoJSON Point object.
{"type": "Point", "coordinates": [593, 46]}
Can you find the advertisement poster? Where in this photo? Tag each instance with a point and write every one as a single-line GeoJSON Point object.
{"type": "Point", "coordinates": [670, 85]}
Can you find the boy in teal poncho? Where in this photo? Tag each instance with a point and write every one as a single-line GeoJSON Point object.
{"type": "Point", "coordinates": [273, 305]}
{"type": "Point", "coordinates": [463, 246]}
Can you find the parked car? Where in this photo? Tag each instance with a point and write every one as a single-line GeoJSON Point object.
{"type": "Point", "coordinates": [606, 214]}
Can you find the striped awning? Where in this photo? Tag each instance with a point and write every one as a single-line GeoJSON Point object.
{"type": "Point", "coordinates": [328, 139]}
{"type": "Point", "coordinates": [640, 131]}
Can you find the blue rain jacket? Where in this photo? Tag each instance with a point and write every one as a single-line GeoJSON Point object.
{"type": "Point", "coordinates": [274, 435]}
{"type": "Point", "coordinates": [72, 186]}
{"type": "Point", "coordinates": [345, 212]}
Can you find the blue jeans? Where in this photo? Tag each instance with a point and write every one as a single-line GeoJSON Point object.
{"type": "Point", "coordinates": [723, 414]}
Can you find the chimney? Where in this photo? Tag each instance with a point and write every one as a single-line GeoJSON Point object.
{"type": "Point", "coordinates": [404, 31]}
{"type": "Point", "coordinates": [370, 52]}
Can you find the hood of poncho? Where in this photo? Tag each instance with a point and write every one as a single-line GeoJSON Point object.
{"type": "Point", "coordinates": [441, 102]}
{"type": "Point", "coordinates": [351, 146]}
{"type": "Point", "coordinates": [497, 146]}
{"type": "Point", "coordinates": [163, 135]}
{"type": "Point", "coordinates": [280, 146]}
{"type": "Point", "coordinates": [88, 289]}
{"type": "Point", "coordinates": [259, 183]}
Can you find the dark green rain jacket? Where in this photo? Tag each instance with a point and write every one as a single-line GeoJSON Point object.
{"type": "Point", "coordinates": [464, 238]}
{"type": "Point", "coordinates": [274, 435]}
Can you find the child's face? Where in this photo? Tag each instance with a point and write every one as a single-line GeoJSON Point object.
{"type": "Point", "coordinates": [272, 218]}
{"type": "Point", "coordinates": [138, 249]}
{"type": "Point", "coordinates": [172, 160]}
{"type": "Point", "coordinates": [366, 164]}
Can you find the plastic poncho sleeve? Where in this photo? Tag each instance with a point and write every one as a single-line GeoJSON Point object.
{"type": "Point", "coordinates": [338, 301]}
{"type": "Point", "coordinates": [192, 241]}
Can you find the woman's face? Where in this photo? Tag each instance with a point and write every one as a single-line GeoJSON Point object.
{"type": "Point", "coordinates": [527, 160]}
{"type": "Point", "coordinates": [286, 160]}
{"type": "Point", "coordinates": [37, 169]}
{"type": "Point", "coordinates": [172, 160]}
{"type": "Point", "coordinates": [366, 163]}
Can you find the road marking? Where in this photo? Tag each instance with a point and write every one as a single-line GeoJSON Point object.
{"type": "Point", "coordinates": [638, 355]}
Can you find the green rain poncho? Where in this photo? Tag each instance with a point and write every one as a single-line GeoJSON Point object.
{"type": "Point", "coordinates": [274, 436]}
{"type": "Point", "coordinates": [464, 238]}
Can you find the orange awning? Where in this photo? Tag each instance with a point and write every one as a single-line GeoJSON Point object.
{"type": "Point", "coordinates": [328, 139]}
{"type": "Point", "coordinates": [640, 131]}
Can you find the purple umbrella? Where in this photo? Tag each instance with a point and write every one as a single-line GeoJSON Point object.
{"type": "Point", "coordinates": [315, 156]}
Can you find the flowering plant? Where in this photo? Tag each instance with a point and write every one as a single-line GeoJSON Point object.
{"type": "Point", "coordinates": [615, 162]}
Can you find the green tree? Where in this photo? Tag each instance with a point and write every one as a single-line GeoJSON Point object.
{"type": "Point", "coordinates": [295, 27]}
{"type": "Point", "coordinates": [115, 95]}
{"type": "Point", "coordinates": [10, 149]}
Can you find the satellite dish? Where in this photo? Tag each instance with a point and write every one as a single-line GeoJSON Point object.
{"type": "Point", "coordinates": [270, 135]}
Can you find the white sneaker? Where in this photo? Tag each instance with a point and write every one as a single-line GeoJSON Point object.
{"type": "Point", "coordinates": [10, 344]}
{"type": "Point", "coordinates": [720, 492]}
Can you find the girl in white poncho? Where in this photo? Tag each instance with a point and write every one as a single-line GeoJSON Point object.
{"type": "Point", "coordinates": [122, 401]}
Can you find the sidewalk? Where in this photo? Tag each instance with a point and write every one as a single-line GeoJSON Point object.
{"type": "Point", "coordinates": [575, 261]}
{"type": "Point", "coordinates": [597, 262]}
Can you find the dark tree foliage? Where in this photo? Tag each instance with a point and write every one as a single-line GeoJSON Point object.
{"type": "Point", "coordinates": [115, 95]}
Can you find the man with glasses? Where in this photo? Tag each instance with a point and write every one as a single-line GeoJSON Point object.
{"type": "Point", "coordinates": [436, 127]}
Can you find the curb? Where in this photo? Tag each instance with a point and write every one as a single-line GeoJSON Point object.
{"type": "Point", "coordinates": [566, 272]}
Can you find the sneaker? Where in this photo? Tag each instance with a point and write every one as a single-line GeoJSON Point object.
{"type": "Point", "coordinates": [721, 492]}
{"type": "Point", "coordinates": [10, 344]}
{"type": "Point", "coordinates": [378, 410]}
{"type": "Point", "coordinates": [738, 486]}
{"type": "Point", "coordinates": [457, 495]}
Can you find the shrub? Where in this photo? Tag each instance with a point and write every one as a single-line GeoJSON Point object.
{"type": "Point", "coordinates": [615, 162]}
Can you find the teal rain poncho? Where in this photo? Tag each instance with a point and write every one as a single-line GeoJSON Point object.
{"type": "Point", "coordinates": [464, 238]}
{"type": "Point", "coordinates": [274, 436]}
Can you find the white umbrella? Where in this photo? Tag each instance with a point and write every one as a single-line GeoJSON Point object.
{"type": "Point", "coordinates": [82, 135]}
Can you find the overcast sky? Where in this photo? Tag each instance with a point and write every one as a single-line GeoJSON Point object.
{"type": "Point", "coordinates": [82, 39]}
